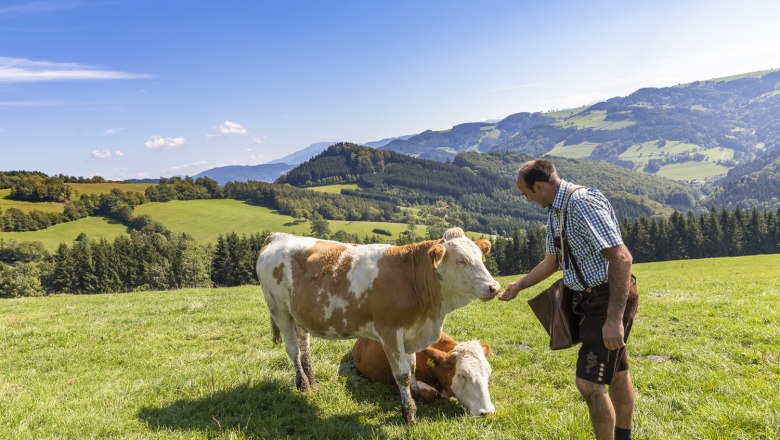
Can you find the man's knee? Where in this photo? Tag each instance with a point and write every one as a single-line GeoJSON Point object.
{"type": "Point", "coordinates": [590, 390]}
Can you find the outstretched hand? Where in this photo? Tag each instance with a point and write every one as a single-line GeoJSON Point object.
{"type": "Point", "coordinates": [511, 292]}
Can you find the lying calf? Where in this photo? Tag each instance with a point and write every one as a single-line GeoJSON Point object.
{"type": "Point", "coordinates": [444, 369]}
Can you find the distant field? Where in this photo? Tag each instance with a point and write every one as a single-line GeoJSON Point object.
{"type": "Point", "coordinates": [101, 188]}
{"type": "Point", "coordinates": [94, 227]}
{"type": "Point", "coordinates": [574, 151]}
{"type": "Point", "coordinates": [334, 189]}
{"type": "Point", "coordinates": [28, 206]}
{"type": "Point", "coordinates": [565, 112]}
{"type": "Point", "coordinates": [207, 219]}
{"type": "Point", "coordinates": [691, 171]}
{"type": "Point", "coordinates": [596, 120]}
{"type": "Point", "coordinates": [200, 364]}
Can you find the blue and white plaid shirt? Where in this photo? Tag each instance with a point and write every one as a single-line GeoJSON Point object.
{"type": "Point", "coordinates": [591, 226]}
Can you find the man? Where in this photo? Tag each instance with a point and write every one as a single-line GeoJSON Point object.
{"type": "Point", "coordinates": [606, 303]}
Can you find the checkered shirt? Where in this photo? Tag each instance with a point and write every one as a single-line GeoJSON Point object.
{"type": "Point", "coordinates": [591, 226]}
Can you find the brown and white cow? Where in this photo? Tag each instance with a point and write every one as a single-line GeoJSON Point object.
{"type": "Point", "coordinates": [445, 369]}
{"type": "Point", "coordinates": [396, 295]}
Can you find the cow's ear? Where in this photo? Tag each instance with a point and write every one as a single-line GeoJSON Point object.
{"type": "Point", "coordinates": [435, 357]}
{"type": "Point", "coordinates": [484, 246]}
{"type": "Point", "coordinates": [487, 349]}
{"type": "Point", "coordinates": [436, 253]}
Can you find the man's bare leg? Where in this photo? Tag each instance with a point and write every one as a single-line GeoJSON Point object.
{"type": "Point", "coordinates": [621, 393]}
{"type": "Point", "coordinates": [602, 414]}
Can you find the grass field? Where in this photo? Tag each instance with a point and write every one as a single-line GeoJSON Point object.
{"type": "Point", "coordinates": [334, 189]}
{"type": "Point", "coordinates": [573, 151]}
{"type": "Point", "coordinates": [6, 203]}
{"type": "Point", "coordinates": [595, 119]}
{"type": "Point", "coordinates": [193, 364]}
{"type": "Point", "coordinates": [100, 188]}
{"type": "Point", "coordinates": [206, 219]}
{"type": "Point", "coordinates": [691, 171]}
{"type": "Point", "coordinates": [94, 227]}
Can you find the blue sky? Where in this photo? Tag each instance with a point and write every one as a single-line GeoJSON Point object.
{"type": "Point", "coordinates": [137, 88]}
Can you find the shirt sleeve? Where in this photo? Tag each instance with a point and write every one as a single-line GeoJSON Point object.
{"type": "Point", "coordinates": [597, 220]}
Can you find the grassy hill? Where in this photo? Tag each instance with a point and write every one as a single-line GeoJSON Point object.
{"type": "Point", "coordinates": [51, 237]}
{"type": "Point", "coordinates": [199, 363]}
{"type": "Point", "coordinates": [6, 203]}
{"type": "Point", "coordinates": [206, 219]}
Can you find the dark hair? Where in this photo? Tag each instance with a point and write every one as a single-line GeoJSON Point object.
{"type": "Point", "coordinates": [539, 170]}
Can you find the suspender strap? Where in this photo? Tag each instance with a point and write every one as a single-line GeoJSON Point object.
{"type": "Point", "coordinates": [565, 249]}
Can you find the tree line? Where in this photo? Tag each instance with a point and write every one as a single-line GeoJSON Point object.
{"type": "Point", "coordinates": [682, 236]}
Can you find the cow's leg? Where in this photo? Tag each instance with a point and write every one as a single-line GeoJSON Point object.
{"type": "Point", "coordinates": [289, 333]}
{"type": "Point", "coordinates": [413, 387]}
{"type": "Point", "coordinates": [303, 346]}
{"type": "Point", "coordinates": [402, 372]}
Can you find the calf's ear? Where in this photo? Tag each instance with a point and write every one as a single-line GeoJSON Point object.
{"type": "Point", "coordinates": [487, 349]}
{"type": "Point", "coordinates": [484, 246]}
{"type": "Point", "coordinates": [435, 356]}
{"type": "Point", "coordinates": [437, 254]}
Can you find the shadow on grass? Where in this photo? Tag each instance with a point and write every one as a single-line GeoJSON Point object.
{"type": "Point", "coordinates": [387, 398]}
{"type": "Point", "coordinates": [270, 409]}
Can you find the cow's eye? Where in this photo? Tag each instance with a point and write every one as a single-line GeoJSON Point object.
{"type": "Point", "coordinates": [460, 262]}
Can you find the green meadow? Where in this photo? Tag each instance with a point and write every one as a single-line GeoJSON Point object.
{"type": "Point", "coordinates": [51, 237]}
{"type": "Point", "coordinates": [334, 189]}
{"type": "Point", "coordinates": [200, 364]}
{"type": "Point", "coordinates": [205, 220]}
{"type": "Point", "coordinates": [6, 203]}
{"type": "Point", "coordinates": [101, 188]}
{"type": "Point", "coordinates": [574, 151]}
{"type": "Point", "coordinates": [595, 119]}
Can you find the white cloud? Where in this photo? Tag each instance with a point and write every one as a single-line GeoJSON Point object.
{"type": "Point", "coordinates": [229, 127]}
{"type": "Point", "coordinates": [106, 153]}
{"type": "Point", "coordinates": [24, 70]}
{"type": "Point", "coordinates": [259, 139]}
{"type": "Point", "coordinates": [113, 130]}
{"type": "Point", "coordinates": [156, 143]}
{"type": "Point", "coordinates": [179, 168]}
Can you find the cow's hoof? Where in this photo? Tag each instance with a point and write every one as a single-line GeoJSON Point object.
{"type": "Point", "coordinates": [410, 414]}
{"type": "Point", "coordinates": [302, 383]}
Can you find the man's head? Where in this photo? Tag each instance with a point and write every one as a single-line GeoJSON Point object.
{"type": "Point", "coordinates": [538, 181]}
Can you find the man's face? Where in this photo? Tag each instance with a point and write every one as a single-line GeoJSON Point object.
{"type": "Point", "coordinates": [533, 194]}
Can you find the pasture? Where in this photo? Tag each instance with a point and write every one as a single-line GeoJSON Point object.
{"type": "Point", "coordinates": [6, 203]}
{"type": "Point", "coordinates": [206, 219]}
{"type": "Point", "coordinates": [51, 237]}
{"type": "Point", "coordinates": [106, 187]}
{"type": "Point", "coordinates": [200, 363]}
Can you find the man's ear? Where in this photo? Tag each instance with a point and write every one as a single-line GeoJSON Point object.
{"type": "Point", "coordinates": [487, 349]}
{"type": "Point", "coordinates": [435, 357]}
{"type": "Point", "coordinates": [484, 246]}
{"type": "Point", "coordinates": [437, 254]}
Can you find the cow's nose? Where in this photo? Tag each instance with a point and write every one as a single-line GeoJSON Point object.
{"type": "Point", "coordinates": [493, 288]}
{"type": "Point", "coordinates": [485, 413]}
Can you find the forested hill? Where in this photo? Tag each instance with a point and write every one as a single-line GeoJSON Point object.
{"type": "Point", "coordinates": [753, 184]}
{"type": "Point", "coordinates": [478, 189]}
{"type": "Point", "coordinates": [694, 131]}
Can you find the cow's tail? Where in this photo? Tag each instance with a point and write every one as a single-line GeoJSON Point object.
{"type": "Point", "coordinates": [277, 334]}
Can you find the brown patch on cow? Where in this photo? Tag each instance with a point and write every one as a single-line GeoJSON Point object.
{"type": "Point", "coordinates": [318, 280]}
{"type": "Point", "coordinates": [278, 273]}
{"type": "Point", "coordinates": [410, 285]}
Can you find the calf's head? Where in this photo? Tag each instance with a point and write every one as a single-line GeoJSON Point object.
{"type": "Point", "coordinates": [460, 263]}
{"type": "Point", "coordinates": [464, 373]}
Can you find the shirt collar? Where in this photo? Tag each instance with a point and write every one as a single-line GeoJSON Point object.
{"type": "Point", "coordinates": [560, 195]}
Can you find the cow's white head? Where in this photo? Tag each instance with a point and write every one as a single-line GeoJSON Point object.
{"type": "Point", "coordinates": [465, 372]}
{"type": "Point", "coordinates": [460, 263]}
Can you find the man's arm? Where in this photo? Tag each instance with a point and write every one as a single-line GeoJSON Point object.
{"type": "Point", "coordinates": [619, 283]}
{"type": "Point", "coordinates": [544, 269]}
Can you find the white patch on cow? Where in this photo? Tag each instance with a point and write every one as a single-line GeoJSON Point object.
{"type": "Point", "coordinates": [335, 303]}
{"type": "Point", "coordinates": [365, 267]}
{"type": "Point", "coordinates": [470, 382]}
